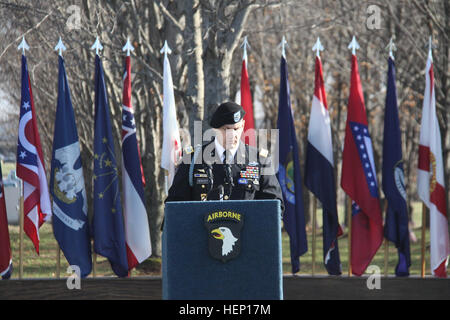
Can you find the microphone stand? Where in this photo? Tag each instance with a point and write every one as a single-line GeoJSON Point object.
{"type": "Point", "coordinates": [229, 179]}
{"type": "Point", "coordinates": [210, 178]}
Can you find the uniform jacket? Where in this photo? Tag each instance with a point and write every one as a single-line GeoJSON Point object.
{"type": "Point", "coordinates": [246, 171]}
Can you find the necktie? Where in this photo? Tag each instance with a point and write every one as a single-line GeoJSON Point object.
{"type": "Point", "coordinates": [227, 157]}
{"type": "Point", "coordinates": [227, 160]}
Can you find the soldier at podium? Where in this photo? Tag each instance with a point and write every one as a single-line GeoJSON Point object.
{"type": "Point", "coordinates": [225, 168]}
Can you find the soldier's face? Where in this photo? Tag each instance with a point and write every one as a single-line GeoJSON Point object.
{"type": "Point", "coordinates": [230, 134]}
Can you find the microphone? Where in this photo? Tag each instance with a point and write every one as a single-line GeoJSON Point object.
{"type": "Point", "coordinates": [210, 174]}
{"type": "Point", "coordinates": [221, 192]}
{"type": "Point", "coordinates": [229, 175]}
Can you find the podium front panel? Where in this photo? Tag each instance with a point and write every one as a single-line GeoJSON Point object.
{"type": "Point", "coordinates": [191, 272]}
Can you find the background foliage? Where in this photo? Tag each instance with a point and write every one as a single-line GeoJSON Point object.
{"type": "Point", "coordinates": [205, 36]}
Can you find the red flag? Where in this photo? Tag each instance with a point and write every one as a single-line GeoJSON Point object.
{"type": "Point", "coordinates": [5, 245]}
{"type": "Point", "coordinates": [246, 102]}
{"type": "Point", "coordinates": [359, 179]}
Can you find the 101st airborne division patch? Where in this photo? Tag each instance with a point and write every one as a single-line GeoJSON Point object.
{"type": "Point", "coordinates": [224, 234]}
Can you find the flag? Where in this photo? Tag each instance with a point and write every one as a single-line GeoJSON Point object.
{"type": "Point", "coordinates": [137, 233]}
{"type": "Point", "coordinates": [319, 171]}
{"type": "Point", "coordinates": [171, 149]}
{"type": "Point", "coordinates": [259, 114]}
{"type": "Point", "coordinates": [430, 184]}
{"type": "Point", "coordinates": [5, 245]}
{"type": "Point", "coordinates": [70, 220]}
{"type": "Point", "coordinates": [289, 174]}
{"type": "Point", "coordinates": [246, 102]}
{"type": "Point", "coordinates": [396, 226]}
{"type": "Point", "coordinates": [359, 179]}
{"type": "Point", "coordinates": [108, 227]}
{"type": "Point", "coordinates": [30, 164]}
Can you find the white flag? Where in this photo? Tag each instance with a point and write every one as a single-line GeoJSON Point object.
{"type": "Point", "coordinates": [171, 150]}
{"type": "Point", "coordinates": [431, 185]}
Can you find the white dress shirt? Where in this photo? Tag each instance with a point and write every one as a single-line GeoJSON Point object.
{"type": "Point", "coordinates": [220, 150]}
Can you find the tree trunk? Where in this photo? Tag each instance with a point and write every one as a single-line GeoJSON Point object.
{"type": "Point", "coordinates": [195, 93]}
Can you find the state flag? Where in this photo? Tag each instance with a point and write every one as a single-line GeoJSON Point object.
{"type": "Point", "coordinates": [430, 179]}
{"type": "Point", "coordinates": [319, 171]}
{"type": "Point", "coordinates": [107, 223]}
{"type": "Point", "coordinates": [137, 233]}
{"type": "Point", "coordinates": [359, 180]}
{"type": "Point", "coordinates": [70, 220]}
{"type": "Point", "coordinates": [396, 224]}
{"type": "Point", "coordinates": [289, 174]}
{"type": "Point", "coordinates": [30, 164]}
{"type": "Point", "coordinates": [6, 265]}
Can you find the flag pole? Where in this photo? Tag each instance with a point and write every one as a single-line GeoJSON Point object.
{"type": "Point", "coordinates": [58, 261]}
{"type": "Point", "coordinates": [60, 48]}
{"type": "Point", "coordinates": [317, 48]}
{"type": "Point", "coordinates": [349, 223]}
{"type": "Point", "coordinates": [391, 46]}
{"type": "Point", "coordinates": [353, 46]}
{"type": "Point", "coordinates": [244, 45]}
{"type": "Point", "coordinates": [424, 219]}
{"type": "Point", "coordinates": [21, 223]}
{"type": "Point", "coordinates": [386, 245]}
{"type": "Point", "coordinates": [22, 46]}
{"type": "Point", "coordinates": [314, 235]}
{"type": "Point", "coordinates": [386, 255]}
{"type": "Point", "coordinates": [94, 265]}
{"type": "Point", "coordinates": [97, 46]}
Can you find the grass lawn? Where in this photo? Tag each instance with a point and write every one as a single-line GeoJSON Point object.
{"type": "Point", "coordinates": [378, 260]}
{"type": "Point", "coordinates": [45, 266]}
{"type": "Point", "coordinates": [7, 167]}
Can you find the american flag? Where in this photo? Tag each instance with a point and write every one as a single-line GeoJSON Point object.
{"type": "Point", "coordinates": [30, 164]}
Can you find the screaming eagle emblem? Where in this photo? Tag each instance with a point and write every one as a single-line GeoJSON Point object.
{"type": "Point", "coordinates": [224, 232]}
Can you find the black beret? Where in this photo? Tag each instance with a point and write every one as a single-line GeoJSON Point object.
{"type": "Point", "coordinates": [227, 113]}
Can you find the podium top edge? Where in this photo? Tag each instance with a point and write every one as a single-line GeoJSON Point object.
{"type": "Point", "coordinates": [224, 202]}
{"type": "Point", "coordinates": [259, 202]}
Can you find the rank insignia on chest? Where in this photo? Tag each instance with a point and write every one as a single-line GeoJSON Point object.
{"type": "Point", "coordinates": [202, 181]}
{"type": "Point", "coordinates": [242, 181]}
{"type": "Point", "coordinates": [250, 172]}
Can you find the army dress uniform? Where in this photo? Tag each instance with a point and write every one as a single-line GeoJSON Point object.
{"type": "Point", "coordinates": [233, 175]}
{"type": "Point", "coordinates": [211, 181]}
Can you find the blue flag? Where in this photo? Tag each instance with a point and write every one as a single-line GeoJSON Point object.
{"type": "Point", "coordinates": [289, 174]}
{"type": "Point", "coordinates": [396, 226]}
{"type": "Point", "coordinates": [108, 226]}
{"type": "Point", "coordinates": [70, 221]}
